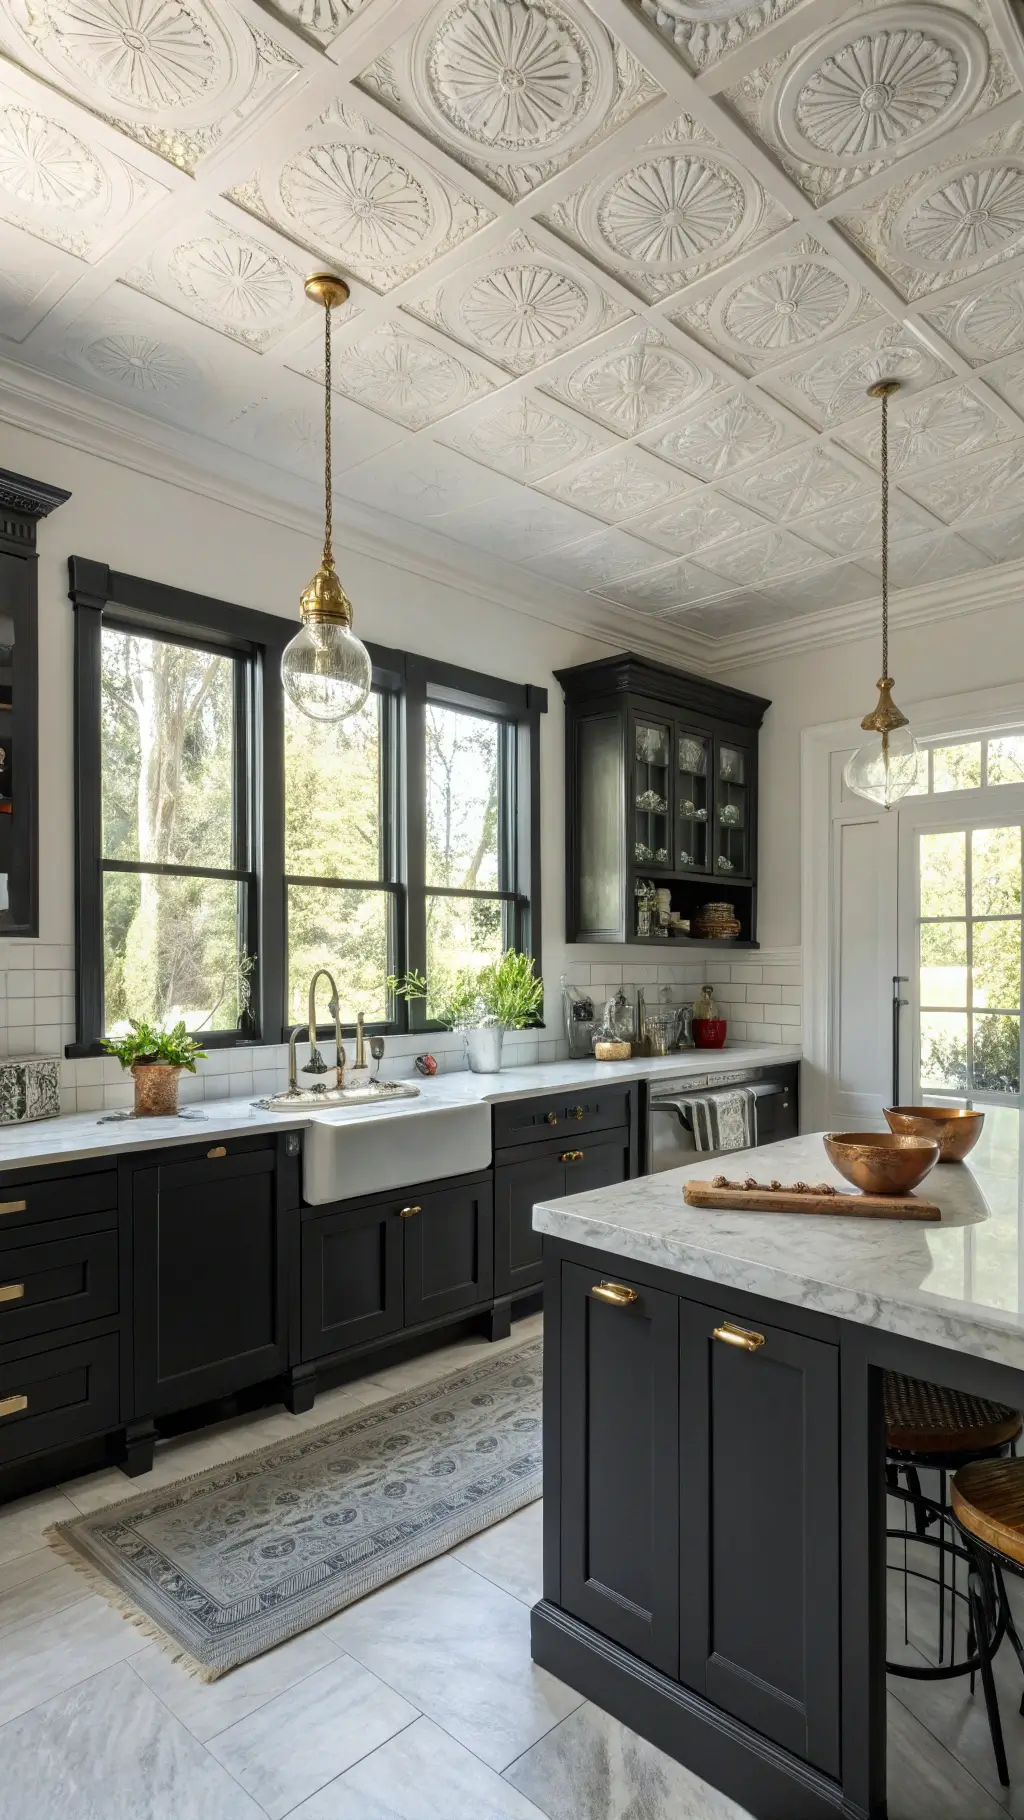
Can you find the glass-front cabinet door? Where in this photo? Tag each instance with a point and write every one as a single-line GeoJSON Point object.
{"type": "Point", "coordinates": [652, 774]}
{"type": "Point", "coordinates": [732, 811]}
{"type": "Point", "coordinates": [693, 768]}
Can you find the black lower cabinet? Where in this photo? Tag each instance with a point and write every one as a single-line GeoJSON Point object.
{"type": "Point", "coordinates": [545, 1172]}
{"type": "Point", "coordinates": [699, 1505]}
{"type": "Point", "coordinates": [54, 1398]}
{"type": "Point", "coordinates": [449, 1251]}
{"type": "Point", "coordinates": [210, 1277]}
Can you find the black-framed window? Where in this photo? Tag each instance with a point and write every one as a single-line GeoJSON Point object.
{"type": "Point", "coordinates": [227, 845]}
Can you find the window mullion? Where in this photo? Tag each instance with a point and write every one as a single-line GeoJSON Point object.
{"type": "Point", "coordinates": [414, 773]}
{"type": "Point", "coordinates": [270, 995]}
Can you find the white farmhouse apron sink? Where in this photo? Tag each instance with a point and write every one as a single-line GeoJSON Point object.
{"type": "Point", "coordinates": [365, 1150]}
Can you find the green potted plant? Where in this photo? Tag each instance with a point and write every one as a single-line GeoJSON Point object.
{"type": "Point", "coordinates": [156, 1059]}
{"type": "Point", "coordinates": [482, 1002]}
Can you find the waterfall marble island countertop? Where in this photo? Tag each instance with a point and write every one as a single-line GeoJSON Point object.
{"type": "Point", "coordinates": [85, 1134]}
{"type": "Point", "coordinates": [904, 1277]}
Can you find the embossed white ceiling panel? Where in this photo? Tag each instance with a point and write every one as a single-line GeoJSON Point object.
{"type": "Point", "coordinates": [622, 272]}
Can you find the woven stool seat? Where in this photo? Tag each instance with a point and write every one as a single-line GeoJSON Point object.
{"type": "Point", "coordinates": [929, 1419]}
{"type": "Point", "coordinates": [988, 1500]}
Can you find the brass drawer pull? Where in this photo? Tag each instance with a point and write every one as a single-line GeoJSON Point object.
{"type": "Point", "coordinates": [739, 1336]}
{"type": "Point", "coordinates": [9, 1406]}
{"type": "Point", "coordinates": [218, 1150]}
{"type": "Point", "coordinates": [406, 1213]}
{"type": "Point", "coordinates": [551, 1118]}
{"type": "Point", "coordinates": [11, 1292]}
{"type": "Point", "coordinates": [571, 1156]}
{"type": "Point", "coordinates": [615, 1293]}
{"type": "Point", "coordinates": [13, 1206]}
{"type": "Point", "coordinates": [575, 1112]}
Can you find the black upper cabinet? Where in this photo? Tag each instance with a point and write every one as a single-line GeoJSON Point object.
{"type": "Point", "coordinates": [661, 786]}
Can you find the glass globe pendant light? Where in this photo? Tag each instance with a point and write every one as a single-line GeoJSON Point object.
{"type": "Point", "coordinates": [326, 670]}
{"type": "Point", "coordinates": [884, 768]}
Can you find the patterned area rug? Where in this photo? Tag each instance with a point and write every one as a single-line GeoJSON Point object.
{"type": "Point", "coordinates": [225, 1565]}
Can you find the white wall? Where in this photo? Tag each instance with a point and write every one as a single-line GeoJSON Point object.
{"type": "Point", "coordinates": [147, 527]}
{"type": "Point", "coordinates": [806, 689]}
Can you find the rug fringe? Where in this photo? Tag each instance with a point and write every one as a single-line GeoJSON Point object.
{"type": "Point", "coordinates": [66, 1547]}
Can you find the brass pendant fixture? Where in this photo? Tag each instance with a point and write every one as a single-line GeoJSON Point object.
{"type": "Point", "coordinates": [884, 768]}
{"type": "Point", "coordinates": [326, 670]}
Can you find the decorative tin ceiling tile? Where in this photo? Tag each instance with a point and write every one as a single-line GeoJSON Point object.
{"type": "Point", "coordinates": [72, 195]}
{"type": "Point", "coordinates": [128, 349]}
{"type": "Point", "coordinates": [988, 486]}
{"type": "Point", "coordinates": [321, 20]}
{"type": "Point", "coordinates": [422, 486]}
{"type": "Point", "coordinates": [924, 431]}
{"type": "Point", "coordinates": [523, 440]}
{"type": "Point", "coordinates": [704, 30]}
{"type": "Point", "coordinates": [936, 557]}
{"type": "Point", "coordinates": [515, 89]}
{"type": "Point", "coordinates": [598, 563]}
{"type": "Point", "coordinates": [1008, 381]}
{"type": "Point", "coordinates": [770, 315]}
{"type": "Point", "coordinates": [231, 281]}
{"type": "Point", "coordinates": [357, 199]}
{"type": "Point", "coordinates": [32, 279]}
{"type": "Point", "coordinates": [634, 385]}
{"type": "Point", "coordinates": [880, 85]}
{"type": "Point", "coordinates": [519, 530]}
{"type": "Point", "coordinates": [617, 485]}
{"type": "Point", "coordinates": [661, 217]}
{"type": "Point", "coordinates": [962, 216]}
{"type": "Point", "coordinates": [744, 611]}
{"type": "Point", "coordinates": [696, 524]}
{"type": "Point", "coordinates": [856, 530]}
{"type": "Point", "coordinates": [832, 386]}
{"type": "Point", "coordinates": [677, 584]}
{"type": "Point", "coordinates": [724, 436]}
{"type": "Point", "coordinates": [805, 480]}
{"type": "Point", "coordinates": [838, 585]}
{"type": "Point", "coordinates": [404, 376]}
{"type": "Point", "coordinates": [761, 559]}
{"type": "Point", "coordinates": [177, 75]}
{"type": "Point", "coordinates": [986, 326]}
{"type": "Point", "coordinates": [519, 306]}
{"type": "Point", "coordinates": [1002, 540]}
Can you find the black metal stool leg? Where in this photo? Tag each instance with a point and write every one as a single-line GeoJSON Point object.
{"type": "Point", "coordinates": [1008, 1623]}
{"type": "Point", "coordinates": [978, 1595]}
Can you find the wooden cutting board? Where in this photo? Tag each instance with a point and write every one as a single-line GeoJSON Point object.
{"type": "Point", "coordinates": [785, 1200]}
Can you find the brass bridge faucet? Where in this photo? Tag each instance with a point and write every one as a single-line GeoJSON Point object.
{"type": "Point", "coordinates": [316, 1063]}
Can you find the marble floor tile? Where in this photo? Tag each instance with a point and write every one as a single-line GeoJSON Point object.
{"type": "Point", "coordinates": [209, 1707]}
{"type": "Point", "coordinates": [34, 1586]}
{"type": "Point", "coordinates": [177, 1458]}
{"type": "Point", "coordinates": [958, 1722]}
{"type": "Point", "coordinates": [460, 1649]}
{"type": "Point", "coordinates": [422, 1774]}
{"type": "Point", "coordinates": [510, 1554]}
{"type": "Point", "coordinates": [108, 1750]}
{"type": "Point", "coordinates": [308, 1735]}
{"type": "Point", "coordinates": [925, 1782]}
{"type": "Point", "coordinates": [591, 1765]}
{"type": "Point", "coordinates": [42, 1658]}
{"type": "Point", "coordinates": [22, 1523]}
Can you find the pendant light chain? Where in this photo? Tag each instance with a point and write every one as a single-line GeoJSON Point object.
{"type": "Point", "coordinates": [885, 532]}
{"type": "Point", "coordinates": [328, 477]}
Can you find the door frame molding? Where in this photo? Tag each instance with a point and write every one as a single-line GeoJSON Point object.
{"type": "Point", "coordinates": [947, 716]}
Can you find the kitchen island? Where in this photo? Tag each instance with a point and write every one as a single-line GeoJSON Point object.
{"type": "Point", "coordinates": [714, 1551]}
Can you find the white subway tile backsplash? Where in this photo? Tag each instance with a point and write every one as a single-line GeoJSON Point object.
{"type": "Point", "coordinates": [781, 976]}
{"type": "Point", "coordinates": [20, 983]}
{"type": "Point", "coordinates": [90, 1099]}
{"type": "Point", "coordinates": [772, 1033]}
{"type": "Point", "coordinates": [790, 1015]}
{"type": "Point", "coordinates": [753, 1014]}
{"type": "Point", "coordinates": [764, 995]}
{"type": "Point", "coordinates": [744, 974]}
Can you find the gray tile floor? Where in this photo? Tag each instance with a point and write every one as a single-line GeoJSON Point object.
{"type": "Point", "coordinates": [419, 1703]}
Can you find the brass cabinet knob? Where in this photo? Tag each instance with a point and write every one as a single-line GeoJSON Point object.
{"type": "Point", "coordinates": [406, 1213]}
{"type": "Point", "coordinates": [13, 1206]}
{"type": "Point", "coordinates": [744, 1337]}
{"type": "Point", "coordinates": [575, 1112]}
{"type": "Point", "coordinates": [551, 1118]}
{"type": "Point", "coordinates": [11, 1292]}
{"type": "Point", "coordinates": [618, 1294]}
{"type": "Point", "coordinates": [218, 1150]}
{"type": "Point", "coordinates": [571, 1156]}
{"type": "Point", "coordinates": [9, 1406]}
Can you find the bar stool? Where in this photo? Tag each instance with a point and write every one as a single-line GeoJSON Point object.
{"type": "Point", "coordinates": [988, 1509]}
{"type": "Point", "coordinates": [930, 1427]}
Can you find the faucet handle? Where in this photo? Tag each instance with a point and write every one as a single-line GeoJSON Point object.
{"type": "Point", "coordinates": [316, 1063]}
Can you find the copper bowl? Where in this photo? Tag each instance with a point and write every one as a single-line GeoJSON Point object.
{"type": "Point", "coordinates": [881, 1162]}
{"type": "Point", "coordinates": [955, 1130]}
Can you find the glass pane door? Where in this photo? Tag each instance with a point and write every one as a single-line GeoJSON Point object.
{"type": "Point", "coordinates": [969, 963]}
{"type": "Point", "coordinates": [731, 811]}
{"type": "Point", "coordinates": [694, 765]}
{"type": "Point", "coordinates": [651, 785]}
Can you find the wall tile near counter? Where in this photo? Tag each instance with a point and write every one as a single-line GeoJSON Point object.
{"type": "Point", "coordinates": [762, 996]}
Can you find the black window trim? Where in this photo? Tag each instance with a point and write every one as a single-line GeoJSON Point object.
{"type": "Point", "coordinates": [101, 595]}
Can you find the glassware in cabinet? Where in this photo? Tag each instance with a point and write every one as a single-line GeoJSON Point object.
{"type": "Point", "coordinates": [693, 763]}
{"type": "Point", "coordinates": [651, 786]}
{"type": "Point", "coordinates": [732, 812]}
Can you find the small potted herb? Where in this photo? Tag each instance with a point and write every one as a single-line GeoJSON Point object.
{"type": "Point", "coordinates": [482, 1003]}
{"type": "Point", "coordinates": [156, 1059]}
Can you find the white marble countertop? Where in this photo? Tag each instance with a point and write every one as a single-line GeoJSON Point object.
{"type": "Point", "coordinates": [79, 1135]}
{"type": "Point", "coordinates": [956, 1283]}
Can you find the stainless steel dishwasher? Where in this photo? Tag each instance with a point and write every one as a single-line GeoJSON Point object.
{"type": "Point", "coordinates": [670, 1139]}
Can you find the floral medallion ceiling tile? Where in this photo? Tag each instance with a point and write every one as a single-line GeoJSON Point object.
{"type": "Point", "coordinates": [515, 89]}
{"type": "Point", "coordinates": [702, 31]}
{"type": "Point", "coordinates": [618, 485]}
{"type": "Point", "coordinates": [779, 310]}
{"type": "Point", "coordinates": [524, 440]}
{"type": "Point", "coordinates": [634, 384]}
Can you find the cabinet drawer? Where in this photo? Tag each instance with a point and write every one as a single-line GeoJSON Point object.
{"type": "Point", "coordinates": [566, 1115]}
{"type": "Point", "coordinates": [56, 1284]}
{"type": "Point", "coordinates": [56, 1397]}
{"type": "Point", "coordinates": [49, 1198]}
